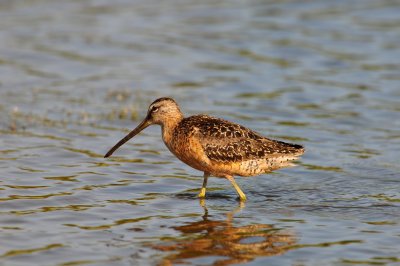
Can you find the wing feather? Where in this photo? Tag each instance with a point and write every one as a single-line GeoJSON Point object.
{"type": "Point", "coordinates": [225, 141]}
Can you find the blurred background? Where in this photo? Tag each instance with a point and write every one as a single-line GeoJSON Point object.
{"type": "Point", "coordinates": [76, 76]}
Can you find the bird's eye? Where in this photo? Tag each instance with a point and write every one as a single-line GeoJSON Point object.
{"type": "Point", "coordinates": [154, 109]}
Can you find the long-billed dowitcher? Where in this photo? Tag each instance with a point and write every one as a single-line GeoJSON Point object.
{"type": "Point", "coordinates": [215, 146]}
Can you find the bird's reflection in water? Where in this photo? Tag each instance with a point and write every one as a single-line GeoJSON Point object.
{"type": "Point", "coordinates": [221, 239]}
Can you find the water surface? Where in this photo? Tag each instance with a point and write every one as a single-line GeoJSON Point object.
{"type": "Point", "coordinates": [76, 76]}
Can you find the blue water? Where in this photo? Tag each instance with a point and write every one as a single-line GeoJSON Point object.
{"type": "Point", "coordinates": [76, 76]}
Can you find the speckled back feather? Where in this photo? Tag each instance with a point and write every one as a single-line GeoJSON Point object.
{"type": "Point", "coordinates": [224, 141]}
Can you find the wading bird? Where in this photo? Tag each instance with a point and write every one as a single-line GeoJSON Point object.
{"type": "Point", "coordinates": [215, 146]}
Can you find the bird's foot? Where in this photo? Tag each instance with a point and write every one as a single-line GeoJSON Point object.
{"type": "Point", "coordinates": [242, 197]}
{"type": "Point", "coordinates": [202, 193]}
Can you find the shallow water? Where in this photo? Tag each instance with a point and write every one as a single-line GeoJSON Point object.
{"type": "Point", "coordinates": [75, 76]}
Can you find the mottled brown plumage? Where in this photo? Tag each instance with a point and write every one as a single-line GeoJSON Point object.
{"type": "Point", "coordinates": [215, 146]}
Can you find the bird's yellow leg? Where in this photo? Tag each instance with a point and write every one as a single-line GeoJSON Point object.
{"type": "Point", "coordinates": [242, 196]}
{"type": "Point", "coordinates": [202, 193]}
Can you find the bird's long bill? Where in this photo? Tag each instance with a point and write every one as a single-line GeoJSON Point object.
{"type": "Point", "coordinates": [145, 123]}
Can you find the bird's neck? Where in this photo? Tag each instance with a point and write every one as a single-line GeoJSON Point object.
{"type": "Point", "coordinates": [169, 126]}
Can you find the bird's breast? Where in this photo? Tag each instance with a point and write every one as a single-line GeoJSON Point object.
{"type": "Point", "coordinates": [187, 148]}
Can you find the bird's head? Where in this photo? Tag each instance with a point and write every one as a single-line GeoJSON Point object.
{"type": "Point", "coordinates": [161, 111]}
